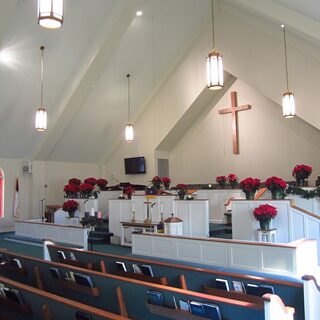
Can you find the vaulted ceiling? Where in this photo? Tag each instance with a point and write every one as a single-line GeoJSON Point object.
{"type": "Point", "coordinates": [86, 62]}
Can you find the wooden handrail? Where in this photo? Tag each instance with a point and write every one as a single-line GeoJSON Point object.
{"type": "Point", "coordinates": [186, 267]}
{"type": "Point", "coordinates": [311, 278]}
{"type": "Point", "coordinates": [228, 201]}
{"type": "Point", "coordinates": [309, 213]}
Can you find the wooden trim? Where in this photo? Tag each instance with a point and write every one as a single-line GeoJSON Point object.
{"type": "Point", "coordinates": [122, 306]}
{"type": "Point", "coordinates": [72, 285]}
{"type": "Point", "coordinates": [49, 224]}
{"type": "Point", "coordinates": [259, 301]}
{"type": "Point", "coordinates": [84, 265]}
{"type": "Point", "coordinates": [260, 193]}
{"type": "Point", "coordinates": [103, 266]}
{"type": "Point", "coordinates": [311, 278]}
{"type": "Point", "coordinates": [313, 215]}
{"type": "Point", "coordinates": [39, 280]}
{"type": "Point", "coordinates": [143, 277]}
{"type": "Point", "coordinates": [46, 312]}
{"type": "Point", "coordinates": [68, 302]}
{"type": "Point", "coordinates": [18, 307]}
{"type": "Point", "coordinates": [186, 267]}
{"type": "Point", "coordinates": [183, 282]}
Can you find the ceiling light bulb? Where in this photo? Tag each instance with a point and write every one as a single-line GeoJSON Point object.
{"type": "Point", "coordinates": [139, 13]}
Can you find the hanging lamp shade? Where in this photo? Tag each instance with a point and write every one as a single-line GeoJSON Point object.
{"type": "Point", "coordinates": [288, 103]}
{"type": "Point", "coordinates": [41, 113]}
{"type": "Point", "coordinates": [214, 70]}
{"type": "Point", "coordinates": [41, 119]}
{"type": "Point", "coordinates": [129, 132]}
{"type": "Point", "coordinates": [214, 62]}
{"type": "Point", "coordinates": [50, 13]}
{"type": "Point", "coordinates": [129, 135]}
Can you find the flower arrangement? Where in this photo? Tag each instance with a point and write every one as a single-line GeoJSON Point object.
{"type": "Point", "coordinates": [233, 180]}
{"type": "Point", "coordinates": [264, 213]}
{"type": "Point", "coordinates": [74, 181]}
{"type": "Point", "coordinates": [102, 184]}
{"type": "Point", "coordinates": [92, 181]}
{"type": "Point", "coordinates": [156, 181]}
{"type": "Point", "coordinates": [249, 186]}
{"type": "Point", "coordinates": [182, 190]}
{"type": "Point", "coordinates": [70, 206]}
{"type": "Point", "coordinates": [221, 180]}
{"type": "Point", "coordinates": [129, 190]}
{"type": "Point", "coordinates": [301, 172]}
{"type": "Point", "coordinates": [166, 182]}
{"type": "Point", "coordinates": [277, 186]}
{"type": "Point", "coordinates": [71, 190]}
{"type": "Point", "coordinates": [86, 190]}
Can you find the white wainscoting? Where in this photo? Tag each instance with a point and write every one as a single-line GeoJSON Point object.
{"type": "Point", "coordinates": [194, 213]}
{"type": "Point", "coordinates": [103, 200]}
{"type": "Point", "coordinates": [74, 235]}
{"type": "Point", "coordinates": [282, 259]}
{"type": "Point", "coordinates": [292, 224]}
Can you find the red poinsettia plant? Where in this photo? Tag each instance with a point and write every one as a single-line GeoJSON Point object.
{"type": "Point", "coordinates": [74, 181]}
{"type": "Point", "coordinates": [102, 183]}
{"type": "Point", "coordinates": [275, 184]}
{"type": "Point", "coordinates": [92, 181]}
{"type": "Point", "coordinates": [232, 179]}
{"type": "Point", "coordinates": [181, 186]}
{"type": "Point", "coordinates": [250, 184]}
{"type": "Point", "coordinates": [129, 190]}
{"type": "Point", "coordinates": [265, 212]}
{"type": "Point", "coordinates": [86, 189]}
{"type": "Point", "coordinates": [71, 189]}
{"type": "Point", "coordinates": [221, 179]}
{"type": "Point", "coordinates": [166, 180]}
{"type": "Point", "coordinates": [70, 206]}
{"type": "Point", "coordinates": [301, 171]}
{"type": "Point", "coordinates": [156, 181]}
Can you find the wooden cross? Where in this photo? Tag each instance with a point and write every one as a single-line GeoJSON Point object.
{"type": "Point", "coordinates": [234, 112]}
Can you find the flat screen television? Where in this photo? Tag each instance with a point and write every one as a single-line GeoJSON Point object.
{"type": "Point", "coordinates": [135, 165]}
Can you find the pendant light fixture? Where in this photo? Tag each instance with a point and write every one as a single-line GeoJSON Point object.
{"type": "Point", "coordinates": [288, 104]}
{"type": "Point", "coordinates": [41, 113]}
{"type": "Point", "coordinates": [50, 13]}
{"type": "Point", "coordinates": [214, 62]}
{"type": "Point", "coordinates": [129, 126]}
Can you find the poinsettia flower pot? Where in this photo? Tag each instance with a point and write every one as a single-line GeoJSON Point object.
{"type": "Point", "coordinates": [264, 224]}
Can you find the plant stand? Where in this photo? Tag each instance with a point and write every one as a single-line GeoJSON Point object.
{"type": "Point", "coordinates": [267, 235]}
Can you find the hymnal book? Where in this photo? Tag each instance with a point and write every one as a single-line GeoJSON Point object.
{"type": "Point", "coordinates": [61, 255]}
{"type": "Point", "coordinates": [136, 269]}
{"type": "Point", "coordinates": [121, 266]}
{"type": "Point", "coordinates": [197, 308]}
{"type": "Point", "coordinates": [72, 256]}
{"type": "Point", "coordinates": [146, 270]}
{"type": "Point", "coordinates": [13, 295]}
{"type": "Point", "coordinates": [222, 284]}
{"type": "Point", "coordinates": [211, 311]}
{"type": "Point", "coordinates": [83, 316]}
{"type": "Point", "coordinates": [155, 297]}
{"type": "Point", "coordinates": [265, 289]}
{"type": "Point", "coordinates": [253, 289]}
{"type": "Point", "coordinates": [55, 272]}
{"type": "Point", "coordinates": [238, 286]}
{"type": "Point", "coordinates": [83, 280]}
{"type": "Point", "coordinates": [15, 263]}
{"type": "Point", "coordinates": [184, 305]}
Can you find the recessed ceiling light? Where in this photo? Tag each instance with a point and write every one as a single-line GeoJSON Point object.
{"type": "Point", "coordinates": [5, 57]}
{"type": "Point", "coordinates": [139, 13]}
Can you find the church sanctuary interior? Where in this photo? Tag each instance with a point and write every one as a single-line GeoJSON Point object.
{"type": "Point", "coordinates": [159, 159]}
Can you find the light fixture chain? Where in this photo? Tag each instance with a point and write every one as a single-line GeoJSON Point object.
{"type": "Point", "coordinates": [285, 56]}
{"type": "Point", "coordinates": [212, 20]}
{"type": "Point", "coordinates": [41, 74]}
{"type": "Point", "coordinates": [129, 113]}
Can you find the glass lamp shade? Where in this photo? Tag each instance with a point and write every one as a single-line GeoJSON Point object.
{"type": "Point", "coordinates": [214, 70]}
{"type": "Point", "coordinates": [41, 119]}
{"type": "Point", "coordinates": [288, 105]}
{"type": "Point", "coordinates": [129, 133]}
{"type": "Point", "coordinates": [50, 13]}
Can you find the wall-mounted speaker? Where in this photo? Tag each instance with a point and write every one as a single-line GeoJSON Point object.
{"type": "Point", "coordinates": [27, 167]}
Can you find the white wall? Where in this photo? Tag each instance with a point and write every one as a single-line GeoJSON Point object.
{"type": "Point", "coordinates": [32, 187]}
{"type": "Point", "coordinates": [269, 144]}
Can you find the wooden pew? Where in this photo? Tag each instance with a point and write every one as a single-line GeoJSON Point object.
{"type": "Point", "coordinates": [39, 304]}
{"type": "Point", "coordinates": [184, 276]}
{"type": "Point", "coordinates": [312, 294]}
{"type": "Point", "coordinates": [132, 299]}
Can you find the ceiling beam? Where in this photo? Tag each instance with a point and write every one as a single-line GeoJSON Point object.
{"type": "Point", "coordinates": [87, 78]}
